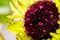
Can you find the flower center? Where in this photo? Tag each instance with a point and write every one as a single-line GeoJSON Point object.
{"type": "Point", "coordinates": [40, 19]}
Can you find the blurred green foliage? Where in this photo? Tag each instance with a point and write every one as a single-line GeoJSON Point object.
{"type": "Point", "coordinates": [4, 2]}
{"type": "Point", "coordinates": [3, 18]}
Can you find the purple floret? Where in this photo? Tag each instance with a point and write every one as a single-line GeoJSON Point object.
{"type": "Point", "coordinates": [41, 19]}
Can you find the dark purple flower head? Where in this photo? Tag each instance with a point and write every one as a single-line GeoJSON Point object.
{"type": "Point", "coordinates": [41, 19]}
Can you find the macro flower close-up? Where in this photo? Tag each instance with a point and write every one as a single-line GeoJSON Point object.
{"type": "Point", "coordinates": [35, 19]}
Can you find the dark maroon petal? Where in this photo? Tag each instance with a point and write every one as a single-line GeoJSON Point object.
{"type": "Point", "coordinates": [41, 19]}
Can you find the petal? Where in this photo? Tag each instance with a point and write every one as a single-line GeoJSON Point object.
{"type": "Point", "coordinates": [15, 11]}
{"type": "Point", "coordinates": [15, 27]}
{"type": "Point", "coordinates": [57, 4]}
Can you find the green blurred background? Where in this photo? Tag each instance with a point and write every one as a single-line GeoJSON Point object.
{"type": "Point", "coordinates": [4, 11]}
{"type": "Point", "coordinates": [4, 2]}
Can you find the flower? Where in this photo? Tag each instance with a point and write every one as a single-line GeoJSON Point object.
{"type": "Point", "coordinates": [40, 19]}
{"type": "Point", "coordinates": [35, 19]}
